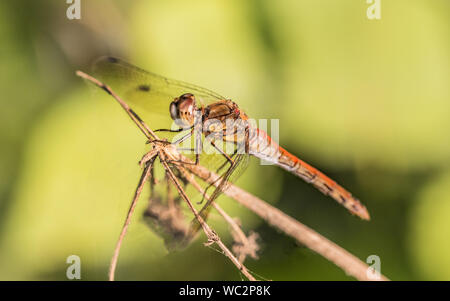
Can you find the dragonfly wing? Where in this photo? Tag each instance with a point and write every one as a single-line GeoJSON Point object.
{"type": "Point", "coordinates": [150, 95]}
{"type": "Point", "coordinates": [231, 174]}
{"type": "Point", "coordinates": [147, 93]}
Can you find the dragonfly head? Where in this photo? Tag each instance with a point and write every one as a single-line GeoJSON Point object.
{"type": "Point", "coordinates": [182, 110]}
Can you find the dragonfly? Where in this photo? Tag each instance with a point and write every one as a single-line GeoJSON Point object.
{"type": "Point", "coordinates": [211, 131]}
{"type": "Point", "coordinates": [199, 112]}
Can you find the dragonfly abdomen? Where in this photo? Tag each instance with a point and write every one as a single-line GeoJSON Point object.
{"type": "Point", "coordinates": [263, 147]}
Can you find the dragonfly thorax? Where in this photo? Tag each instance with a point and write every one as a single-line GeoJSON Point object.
{"type": "Point", "coordinates": [213, 118]}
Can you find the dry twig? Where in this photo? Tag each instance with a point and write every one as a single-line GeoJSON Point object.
{"type": "Point", "coordinates": [246, 246]}
{"type": "Point", "coordinates": [349, 263]}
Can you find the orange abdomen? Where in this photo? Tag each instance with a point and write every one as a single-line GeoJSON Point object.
{"type": "Point", "coordinates": [263, 147]}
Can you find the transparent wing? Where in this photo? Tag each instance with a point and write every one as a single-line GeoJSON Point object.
{"type": "Point", "coordinates": [150, 95]}
{"type": "Point", "coordinates": [147, 93]}
{"type": "Point", "coordinates": [167, 214]}
{"type": "Point", "coordinates": [231, 174]}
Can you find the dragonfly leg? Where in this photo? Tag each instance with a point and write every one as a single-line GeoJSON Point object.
{"type": "Point", "coordinates": [178, 142]}
{"type": "Point", "coordinates": [212, 184]}
{"type": "Point", "coordinates": [185, 137]}
{"type": "Point", "coordinates": [229, 160]}
{"type": "Point", "coordinates": [225, 163]}
{"type": "Point", "coordinates": [197, 156]}
{"type": "Point", "coordinates": [169, 130]}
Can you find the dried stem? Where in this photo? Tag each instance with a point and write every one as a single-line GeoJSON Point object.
{"type": "Point", "coordinates": [145, 129]}
{"type": "Point", "coordinates": [213, 237]}
{"type": "Point", "coordinates": [240, 235]}
{"type": "Point", "coordinates": [303, 234]}
{"type": "Point", "coordinates": [142, 181]}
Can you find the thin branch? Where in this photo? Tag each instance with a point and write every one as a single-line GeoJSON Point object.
{"type": "Point", "coordinates": [349, 263]}
{"type": "Point", "coordinates": [240, 236]}
{"type": "Point", "coordinates": [142, 181]}
{"type": "Point", "coordinates": [139, 122]}
{"type": "Point", "coordinates": [213, 237]}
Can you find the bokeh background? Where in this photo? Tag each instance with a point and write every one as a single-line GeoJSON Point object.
{"type": "Point", "coordinates": [366, 101]}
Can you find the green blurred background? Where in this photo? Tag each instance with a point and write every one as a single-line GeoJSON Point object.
{"type": "Point", "coordinates": [366, 101]}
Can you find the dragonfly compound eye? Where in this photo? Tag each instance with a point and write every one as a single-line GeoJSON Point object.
{"type": "Point", "coordinates": [174, 112]}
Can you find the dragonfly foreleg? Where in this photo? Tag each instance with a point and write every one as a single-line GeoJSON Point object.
{"type": "Point", "coordinates": [185, 137]}
{"type": "Point", "coordinates": [169, 130]}
{"type": "Point", "coordinates": [197, 157]}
